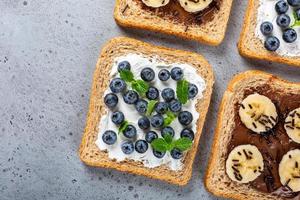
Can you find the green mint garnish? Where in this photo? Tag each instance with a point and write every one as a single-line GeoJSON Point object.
{"type": "Point", "coordinates": [126, 75]}
{"type": "Point", "coordinates": [169, 119]}
{"type": "Point", "coordinates": [296, 20]}
{"type": "Point", "coordinates": [139, 86]}
{"type": "Point", "coordinates": [123, 126]}
{"type": "Point", "coordinates": [150, 107]}
{"type": "Point", "coordinates": [183, 144]}
{"type": "Point", "coordinates": [182, 91]}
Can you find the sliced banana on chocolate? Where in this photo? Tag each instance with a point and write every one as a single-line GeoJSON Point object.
{"type": "Point", "coordinates": [292, 125]}
{"type": "Point", "coordinates": [194, 5]}
{"type": "Point", "coordinates": [289, 170]}
{"type": "Point", "coordinates": [155, 3]}
{"type": "Point", "coordinates": [244, 163]}
{"type": "Point", "coordinates": [258, 113]}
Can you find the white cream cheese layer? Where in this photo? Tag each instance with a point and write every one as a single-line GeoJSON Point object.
{"type": "Point", "coordinates": [138, 62]}
{"type": "Point", "coordinates": [267, 12]}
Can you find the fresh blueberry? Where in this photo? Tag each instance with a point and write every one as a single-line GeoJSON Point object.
{"type": "Point", "coordinates": [158, 154]}
{"type": "Point", "coordinates": [193, 90]}
{"type": "Point", "coordinates": [141, 146]}
{"type": "Point", "coordinates": [189, 133]}
{"type": "Point", "coordinates": [185, 117]}
{"type": "Point", "coordinates": [147, 74]}
{"type": "Point", "coordinates": [289, 35]}
{"type": "Point", "coordinates": [127, 147]}
{"type": "Point", "coordinates": [297, 12]}
{"type": "Point", "coordinates": [131, 97]}
{"type": "Point", "coordinates": [152, 93]}
{"type": "Point", "coordinates": [111, 100]}
{"type": "Point", "coordinates": [176, 153]}
{"type": "Point", "coordinates": [109, 137]}
{"type": "Point", "coordinates": [161, 107]}
{"type": "Point", "coordinates": [175, 105]}
{"type": "Point", "coordinates": [141, 106]}
{"type": "Point", "coordinates": [281, 7]}
{"type": "Point", "coordinates": [124, 65]}
{"type": "Point", "coordinates": [144, 123]}
{"type": "Point", "coordinates": [283, 20]}
{"type": "Point", "coordinates": [266, 28]}
{"type": "Point", "coordinates": [117, 118]}
{"type": "Point", "coordinates": [294, 3]}
{"type": "Point", "coordinates": [164, 75]}
{"type": "Point", "coordinates": [272, 43]}
{"type": "Point", "coordinates": [130, 131]}
{"type": "Point", "coordinates": [167, 130]}
{"type": "Point", "coordinates": [168, 94]}
{"type": "Point", "coordinates": [176, 73]}
{"type": "Point", "coordinates": [150, 136]}
{"type": "Point", "coordinates": [157, 121]}
{"type": "Point", "coordinates": [117, 85]}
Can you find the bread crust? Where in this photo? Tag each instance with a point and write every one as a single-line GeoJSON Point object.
{"type": "Point", "coordinates": [200, 33]}
{"type": "Point", "coordinates": [251, 47]}
{"type": "Point", "coordinates": [89, 152]}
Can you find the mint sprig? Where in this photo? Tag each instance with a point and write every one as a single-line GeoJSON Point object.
{"type": "Point", "coordinates": [150, 107]}
{"type": "Point", "coordinates": [182, 91]}
{"type": "Point", "coordinates": [123, 126]}
{"type": "Point", "coordinates": [169, 119]}
{"type": "Point", "coordinates": [126, 75]}
{"type": "Point", "coordinates": [296, 20]}
{"type": "Point", "coordinates": [139, 86]}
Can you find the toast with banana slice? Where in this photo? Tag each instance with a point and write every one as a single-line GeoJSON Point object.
{"type": "Point", "coordinates": [201, 20]}
{"type": "Point", "coordinates": [256, 147]}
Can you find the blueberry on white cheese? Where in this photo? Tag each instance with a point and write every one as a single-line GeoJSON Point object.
{"type": "Point", "coordinates": [111, 100]}
{"type": "Point", "coordinates": [124, 65]}
{"type": "Point", "coordinates": [283, 20]}
{"type": "Point", "coordinates": [157, 121]}
{"type": "Point", "coordinates": [164, 75]}
{"type": "Point", "coordinates": [294, 3]}
{"type": "Point", "coordinates": [141, 106]}
{"type": "Point", "coordinates": [272, 43]}
{"type": "Point", "coordinates": [117, 85]}
{"type": "Point", "coordinates": [188, 133]}
{"type": "Point", "coordinates": [127, 147]}
{"type": "Point", "coordinates": [193, 90]}
{"type": "Point", "coordinates": [289, 35]}
{"type": "Point", "coordinates": [168, 94]}
{"type": "Point", "coordinates": [130, 132]}
{"type": "Point", "coordinates": [167, 130]}
{"type": "Point", "coordinates": [176, 153]}
{"type": "Point", "coordinates": [281, 7]}
{"type": "Point", "coordinates": [131, 97]}
{"type": "Point", "coordinates": [152, 93]}
{"type": "Point", "coordinates": [159, 154]}
{"type": "Point", "coordinates": [117, 118]}
{"type": "Point", "coordinates": [177, 73]}
{"type": "Point", "coordinates": [147, 74]}
{"type": "Point", "coordinates": [175, 105]}
{"type": "Point", "coordinates": [161, 107]}
{"type": "Point", "coordinates": [266, 28]}
{"type": "Point", "coordinates": [144, 123]}
{"type": "Point", "coordinates": [141, 146]}
{"type": "Point", "coordinates": [150, 136]}
{"type": "Point", "coordinates": [185, 118]}
{"type": "Point", "coordinates": [109, 137]}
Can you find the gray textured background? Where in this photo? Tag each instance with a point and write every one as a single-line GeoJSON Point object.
{"type": "Point", "coordinates": [48, 51]}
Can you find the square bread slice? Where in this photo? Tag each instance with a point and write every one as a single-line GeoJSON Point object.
{"type": "Point", "coordinates": [216, 179]}
{"type": "Point", "coordinates": [252, 47]}
{"type": "Point", "coordinates": [90, 153]}
{"type": "Point", "coordinates": [129, 13]}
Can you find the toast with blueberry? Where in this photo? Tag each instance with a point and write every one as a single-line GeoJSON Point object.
{"type": "Point", "coordinates": [147, 109]}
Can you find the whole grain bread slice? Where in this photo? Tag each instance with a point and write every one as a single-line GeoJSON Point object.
{"type": "Point", "coordinates": [89, 152]}
{"type": "Point", "coordinates": [129, 14]}
{"type": "Point", "coordinates": [216, 179]}
{"type": "Point", "coordinates": [252, 47]}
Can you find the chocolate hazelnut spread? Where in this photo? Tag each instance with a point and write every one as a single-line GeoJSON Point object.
{"type": "Point", "coordinates": [174, 11]}
{"type": "Point", "coordinates": [272, 144]}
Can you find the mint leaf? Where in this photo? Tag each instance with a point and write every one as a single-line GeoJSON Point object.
{"type": "Point", "coordinates": [127, 75]}
{"type": "Point", "coordinates": [140, 86]}
{"type": "Point", "coordinates": [150, 107]}
{"type": "Point", "coordinates": [183, 144]}
{"type": "Point", "coordinates": [169, 119]}
{"type": "Point", "coordinates": [296, 20]}
{"type": "Point", "coordinates": [168, 138]}
{"type": "Point", "coordinates": [123, 126]}
{"type": "Point", "coordinates": [159, 144]}
{"type": "Point", "coordinates": [182, 91]}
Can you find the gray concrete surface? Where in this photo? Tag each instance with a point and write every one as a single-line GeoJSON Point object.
{"type": "Point", "coordinates": [48, 51]}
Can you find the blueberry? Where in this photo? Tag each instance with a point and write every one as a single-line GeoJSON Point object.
{"type": "Point", "coordinates": [272, 43]}
{"type": "Point", "coordinates": [294, 3]}
{"type": "Point", "coordinates": [176, 73]}
{"type": "Point", "coordinates": [141, 146]}
{"type": "Point", "coordinates": [147, 74]}
{"type": "Point", "coordinates": [283, 20]}
{"type": "Point", "coordinates": [266, 28]}
{"type": "Point", "coordinates": [189, 133]}
{"type": "Point", "coordinates": [185, 118]}
{"type": "Point", "coordinates": [117, 118]}
{"type": "Point", "coordinates": [141, 106]}
{"type": "Point", "coordinates": [297, 12]}
{"type": "Point", "coordinates": [161, 107]}
{"type": "Point", "coordinates": [130, 131]}
{"type": "Point", "coordinates": [111, 100]}
{"type": "Point", "coordinates": [175, 105]}
{"type": "Point", "coordinates": [289, 35]}
{"type": "Point", "coordinates": [281, 7]}
{"type": "Point", "coordinates": [164, 75]}
{"type": "Point", "coordinates": [176, 153]}
{"type": "Point", "coordinates": [167, 130]}
{"type": "Point", "coordinates": [109, 137]}
{"type": "Point", "coordinates": [144, 123]}
{"type": "Point", "coordinates": [158, 154]}
{"type": "Point", "coordinates": [124, 65]}
{"type": "Point", "coordinates": [117, 85]}
{"type": "Point", "coordinates": [131, 97]}
{"type": "Point", "coordinates": [168, 94]}
{"type": "Point", "coordinates": [157, 121]}
{"type": "Point", "coordinates": [127, 147]}
{"type": "Point", "coordinates": [150, 136]}
{"type": "Point", "coordinates": [152, 93]}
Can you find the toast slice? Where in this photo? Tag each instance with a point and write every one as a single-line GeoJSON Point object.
{"type": "Point", "coordinates": [129, 13]}
{"type": "Point", "coordinates": [91, 155]}
{"type": "Point", "coordinates": [252, 47]}
{"type": "Point", "coordinates": [216, 179]}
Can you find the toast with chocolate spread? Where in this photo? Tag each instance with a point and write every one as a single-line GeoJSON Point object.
{"type": "Point", "coordinates": [201, 20]}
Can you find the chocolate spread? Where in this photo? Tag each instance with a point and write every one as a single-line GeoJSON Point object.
{"type": "Point", "coordinates": [174, 11]}
{"type": "Point", "coordinates": [272, 144]}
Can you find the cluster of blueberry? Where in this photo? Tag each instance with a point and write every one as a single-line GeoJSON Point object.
{"type": "Point", "coordinates": [131, 97]}
{"type": "Point", "coordinates": [283, 20]}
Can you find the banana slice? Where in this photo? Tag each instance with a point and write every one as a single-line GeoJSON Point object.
{"type": "Point", "coordinates": [155, 3]}
{"type": "Point", "coordinates": [244, 163]}
{"type": "Point", "coordinates": [194, 5]}
{"type": "Point", "coordinates": [258, 113]}
{"type": "Point", "coordinates": [292, 125]}
{"type": "Point", "coordinates": [289, 170]}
